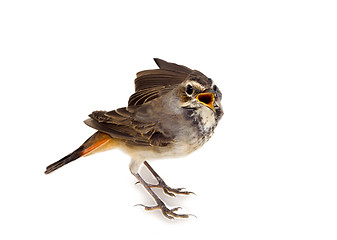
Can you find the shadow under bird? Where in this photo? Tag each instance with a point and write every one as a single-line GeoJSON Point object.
{"type": "Point", "coordinates": [172, 113]}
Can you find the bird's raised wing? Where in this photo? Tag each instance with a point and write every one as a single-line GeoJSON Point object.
{"type": "Point", "coordinates": [151, 84]}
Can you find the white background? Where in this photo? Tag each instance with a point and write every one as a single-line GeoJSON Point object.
{"type": "Point", "coordinates": [269, 172]}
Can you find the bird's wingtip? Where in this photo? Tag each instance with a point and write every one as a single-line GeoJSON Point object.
{"type": "Point", "coordinates": [158, 61]}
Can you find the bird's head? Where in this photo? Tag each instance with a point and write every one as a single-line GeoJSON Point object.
{"type": "Point", "coordinates": [178, 86]}
{"type": "Point", "coordinates": [199, 92]}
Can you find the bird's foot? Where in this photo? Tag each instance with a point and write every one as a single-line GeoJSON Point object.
{"type": "Point", "coordinates": [168, 190]}
{"type": "Point", "coordinates": [168, 213]}
{"type": "Point", "coordinates": [161, 184]}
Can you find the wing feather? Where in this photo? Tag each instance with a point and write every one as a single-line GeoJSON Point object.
{"type": "Point", "coordinates": [151, 84]}
{"type": "Point", "coordinates": [123, 124]}
{"type": "Point", "coordinates": [146, 95]}
{"type": "Point", "coordinates": [171, 66]}
{"type": "Point", "coordinates": [158, 78]}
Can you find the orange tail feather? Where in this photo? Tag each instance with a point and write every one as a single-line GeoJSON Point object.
{"type": "Point", "coordinates": [95, 142]}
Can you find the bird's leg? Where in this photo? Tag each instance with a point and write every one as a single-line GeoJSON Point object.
{"type": "Point", "coordinates": [161, 184]}
{"type": "Point", "coordinates": [169, 213]}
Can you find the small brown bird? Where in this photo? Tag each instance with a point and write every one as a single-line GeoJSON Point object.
{"type": "Point", "coordinates": [173, 112]}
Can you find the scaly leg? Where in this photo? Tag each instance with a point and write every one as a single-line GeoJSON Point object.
{"type": "Point", "coordinates": [161, 184]}
{"type": "Point", "coordinates": [169, 213]}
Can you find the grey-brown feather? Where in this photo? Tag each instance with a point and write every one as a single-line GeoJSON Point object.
{"type": "Point", "coordinates": [151, 84]}
{"type": "Point", "coordinates": [124, 125]}
{"type": "Point", "coordinates": [171, 66]}
{"type": "Point", "coordinates": [148, 121]}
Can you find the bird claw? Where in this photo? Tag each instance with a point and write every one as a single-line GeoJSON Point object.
{"type": "Point", "coordinates": [168, 213]}
{"type": "Point", "coordinates": [170, 191]}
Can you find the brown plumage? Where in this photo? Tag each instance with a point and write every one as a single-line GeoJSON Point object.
{"type": "Point", "coordinates": [173, 112]}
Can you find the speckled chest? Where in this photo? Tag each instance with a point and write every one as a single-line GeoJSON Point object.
{"type": "Point", "coordinates": [203, 122]}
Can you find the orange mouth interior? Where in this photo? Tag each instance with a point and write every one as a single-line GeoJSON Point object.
{"type": "Point", "coordinates": [206, 99]}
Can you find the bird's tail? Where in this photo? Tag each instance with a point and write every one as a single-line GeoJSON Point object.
{"type": "Point", "coordinates": [97, 142]}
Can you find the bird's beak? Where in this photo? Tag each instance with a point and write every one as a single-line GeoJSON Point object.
{"type": "Point", "coordinates": [206, 99]}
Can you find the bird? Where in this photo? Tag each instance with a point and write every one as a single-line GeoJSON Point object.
{"type": "Point", "coordinates": [173, 112]}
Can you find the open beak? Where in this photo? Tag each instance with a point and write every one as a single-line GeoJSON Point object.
{"type": "Point", "coordinates": [206, 99]}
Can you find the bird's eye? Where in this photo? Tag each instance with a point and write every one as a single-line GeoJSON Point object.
{"type": "Point", "coordinates": [189, 89]}
{"type": "Point", "coordinates": [215, 87]}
